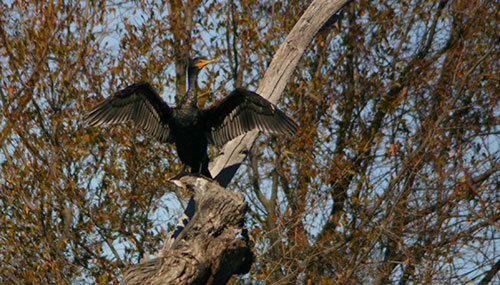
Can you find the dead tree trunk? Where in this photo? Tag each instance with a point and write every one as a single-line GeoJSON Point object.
{"type": "Point", "coordinates": [211, 244]}
{"type": "Point", "coordinates": [213, 247]}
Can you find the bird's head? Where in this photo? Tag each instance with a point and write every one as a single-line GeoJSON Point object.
{"type": "Point", "coordinates": [197, 63]}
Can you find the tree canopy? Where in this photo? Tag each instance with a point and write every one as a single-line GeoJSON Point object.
{"type": "Point", "coordinates": [392, 176]}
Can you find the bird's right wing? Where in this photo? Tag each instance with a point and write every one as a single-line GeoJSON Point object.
{"type": "Point", "coordinates": [138, 102]}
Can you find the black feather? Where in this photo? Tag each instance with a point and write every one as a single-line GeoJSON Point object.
{"type": "Point", "coordinates": [191, 130]}
{"type": "Point", "coordinates": [242, 111]}
{"type": "Point", "coordinates": [138, 102]}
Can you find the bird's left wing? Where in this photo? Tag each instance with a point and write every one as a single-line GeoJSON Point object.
{"type": "Point", "coordinates": [242, 111]}
{"type": "Point", "coordinates": [138, 102]}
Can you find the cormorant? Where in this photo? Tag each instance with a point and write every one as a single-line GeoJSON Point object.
{"type": "Point", "coordinates": [188, 127]}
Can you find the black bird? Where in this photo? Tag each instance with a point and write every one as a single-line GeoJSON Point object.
{"type": "Point", "coordinates": [188, 127]}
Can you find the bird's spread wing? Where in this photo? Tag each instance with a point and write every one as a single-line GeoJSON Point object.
{"type": "Point", "coordinates": [243, 111]}
{"type": "Point", "coordinates": [138, 102]}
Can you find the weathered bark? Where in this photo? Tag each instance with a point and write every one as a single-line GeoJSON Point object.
{"type": "Point", "coordinates": [213, 247]}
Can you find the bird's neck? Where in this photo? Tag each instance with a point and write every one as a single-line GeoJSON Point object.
{"type": "Point", "coordinates": [190, 100]}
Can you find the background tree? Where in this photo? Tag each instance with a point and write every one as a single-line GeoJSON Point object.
{"type": "Point", "coordinates": [392, 177]}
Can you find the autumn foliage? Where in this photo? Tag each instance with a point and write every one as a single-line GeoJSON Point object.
{"type": "Point", "coordinates": [393, 175]}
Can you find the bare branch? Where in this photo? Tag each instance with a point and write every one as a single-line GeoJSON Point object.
{"type": "Point", "coordinates": [274, 81]}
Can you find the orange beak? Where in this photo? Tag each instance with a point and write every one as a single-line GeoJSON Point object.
{"type": "Point", "coordinates": [203, 62]}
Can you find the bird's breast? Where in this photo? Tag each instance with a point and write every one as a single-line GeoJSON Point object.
{"type": "Point", "coordinates": [185, 120]}
{"type": "Point", "coordinates": [189, 137]}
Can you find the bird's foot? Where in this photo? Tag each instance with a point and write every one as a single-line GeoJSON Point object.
{"type": "Point", "coordinates": [180, 174]}
{"type": "Point", "coordinates": [200, 175]}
